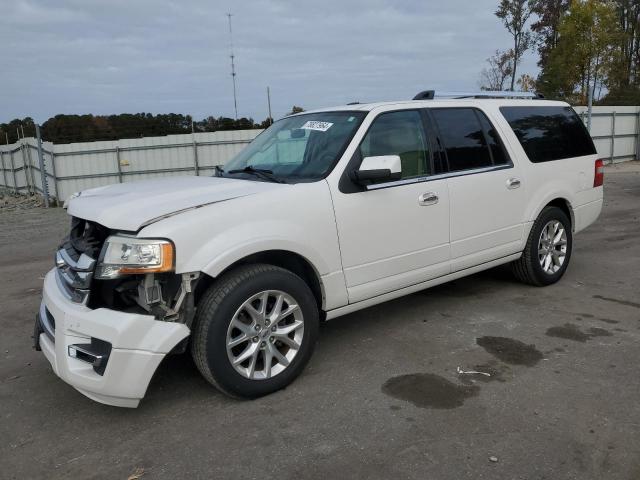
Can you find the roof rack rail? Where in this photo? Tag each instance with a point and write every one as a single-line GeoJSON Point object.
{"type": "Point", "coordinates": [431, 94]}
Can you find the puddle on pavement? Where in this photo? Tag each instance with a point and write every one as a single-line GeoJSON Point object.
{"type": "Point", "coordinates": [572, 332]}
{"type": "Point", "coordinates": [511, 351]}
{"type": "Point", "coordinates": [427, 390]}
{"type": "Point", "coordinates": [569, 332]}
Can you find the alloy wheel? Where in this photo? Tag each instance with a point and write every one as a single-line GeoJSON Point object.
{"type": "Point", "coordinates": [552, 247]}
{"type": "Point", "coordinates": [265, 335]}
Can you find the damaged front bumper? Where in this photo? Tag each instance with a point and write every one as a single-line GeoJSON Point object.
{"type": "Point", "coordinates": [107, 355]}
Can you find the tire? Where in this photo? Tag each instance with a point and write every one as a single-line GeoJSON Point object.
{"type": "Point", "coordinates": [228, 301]}
{"type": "Point", "coordinates": [530, 267]}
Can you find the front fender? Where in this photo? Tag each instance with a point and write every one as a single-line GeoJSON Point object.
{"type": "Point", "coordinates": [298, 218]}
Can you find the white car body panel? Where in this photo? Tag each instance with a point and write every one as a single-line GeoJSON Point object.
{"type": "Point", "coordinates": [139, 344]}
{"type": "Point", "coordinates": [365, 247]}
{"type": "Point", "coordinates": [296, 218]}
{"type": "Point", "coordinates": [394, 242]}
{"type": "Point", "coordinates": [129, 206]}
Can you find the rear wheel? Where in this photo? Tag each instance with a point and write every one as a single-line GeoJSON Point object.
{"type": "Point", "coordinates": [255, 330]}
{"type": "Point", "coordinates": [548, 250]}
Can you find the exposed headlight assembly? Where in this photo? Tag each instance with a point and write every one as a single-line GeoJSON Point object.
{"type": "Point", "coordinates": [123, 255]}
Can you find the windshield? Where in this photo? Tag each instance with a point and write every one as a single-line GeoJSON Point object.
{"type": "Point", "coordinates": [299, 148]}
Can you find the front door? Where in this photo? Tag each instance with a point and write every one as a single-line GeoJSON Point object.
{"type": "Point", "coordinates": [395, 234]}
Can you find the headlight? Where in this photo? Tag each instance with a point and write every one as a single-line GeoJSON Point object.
{"type": "Point", "coordinates": [129, 255]}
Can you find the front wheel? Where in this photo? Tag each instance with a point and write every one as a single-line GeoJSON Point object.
{"type": "Point", "coordinates": [548, 250]}
{"type": "Point", "coordinates": [255, 330]}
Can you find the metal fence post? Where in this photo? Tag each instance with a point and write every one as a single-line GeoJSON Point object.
{"type": "Point", "coordinates": [25, 167]}
{"type": "Point", "coordinates": [43, 172]}
{"type": "Point", "coordinates": [118, 162]}
{"type": "Point", "coordinates": [613, 134]}
{"type": "Point", "coordinates": [637, 152]}
{"type": "Point", "coordinates": [195, 154]}
{"type": "Point", "coordinates": [4, 169]}
{"type": "Point", "coordinates": [33, 181]}
{"type": "Point", "coordinates": [55, 176]}
{"type": "Point", "coordinates": [13, 171]}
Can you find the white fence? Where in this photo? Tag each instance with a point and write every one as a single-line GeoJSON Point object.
{"type": "Point", "coordinates": [78, 166]}
{"type": "Point", "coordinates": [615, 131]}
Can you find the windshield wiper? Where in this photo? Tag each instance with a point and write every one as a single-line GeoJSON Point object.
{"type": "Point", "coordinates": [258, 172]}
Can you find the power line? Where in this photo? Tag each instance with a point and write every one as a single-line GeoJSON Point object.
{"type": "Point", "coordinates": [233, 67]}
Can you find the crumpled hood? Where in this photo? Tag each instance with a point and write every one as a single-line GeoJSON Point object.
{"type": "Point", "coordinates": [130, 206]}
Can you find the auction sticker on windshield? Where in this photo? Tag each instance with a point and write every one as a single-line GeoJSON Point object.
{"type": "Point", "coordinates": [316, 125]}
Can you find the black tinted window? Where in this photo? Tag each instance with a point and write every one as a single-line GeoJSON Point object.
{"type": "Point", "coordinates": [549, 133]}
{"type": "Point", "coordinates": [464, 141]}
{"type": "Point", "coordinates": [498, 154]}
{"type": "Point", "coordinates": [399, 133]}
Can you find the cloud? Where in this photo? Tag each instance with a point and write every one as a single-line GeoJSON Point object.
{"type": "Point", "coordinates": [91, 56]}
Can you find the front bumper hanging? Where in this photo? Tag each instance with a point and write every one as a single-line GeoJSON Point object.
{"type": "Point", "coordinates": [107, 355]}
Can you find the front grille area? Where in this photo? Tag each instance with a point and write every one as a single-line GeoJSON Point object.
{"type": "Point", "coordinates": [47, 322]}
{"type": "Point", "coordinates": [77, 256]}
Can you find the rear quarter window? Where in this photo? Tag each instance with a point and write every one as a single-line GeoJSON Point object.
{"type": "Point", "coordinates": [549, 133]}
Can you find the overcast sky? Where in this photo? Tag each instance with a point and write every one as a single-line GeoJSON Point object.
{"type": "Point", "coordinates": [116, 56]}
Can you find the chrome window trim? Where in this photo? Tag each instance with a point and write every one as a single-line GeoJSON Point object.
{"type": "Point", "coordinates": [440, 176]}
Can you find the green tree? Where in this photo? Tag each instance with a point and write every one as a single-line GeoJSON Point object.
{"type": "Point", "coordinates": [515, 15]}
{"type": "Point", "coordinates": [545, 28]}
{"type": "Point", "coordinates": [586, 54]}
{"type": "Point", "coordinates": [624, 81]}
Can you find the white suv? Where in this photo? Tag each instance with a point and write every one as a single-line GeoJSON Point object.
{"type": "Point", "coordinates": [324, 213]}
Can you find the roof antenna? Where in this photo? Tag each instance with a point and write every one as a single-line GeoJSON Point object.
{"type": "Point", "coordinates": [233, 67]}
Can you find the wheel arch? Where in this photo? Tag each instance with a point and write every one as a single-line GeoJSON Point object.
{"type": "Point", "coordinates": [559, 201]}
{"type": "Point", "coordinates": [286, 259]}
{"type": "Point", "coordinates": [564, 205]}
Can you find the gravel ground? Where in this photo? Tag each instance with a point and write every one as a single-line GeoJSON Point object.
{"type": "Point", "coordinates": [10, 201]}
{"type": "Point", "coordinates": [382, 396]}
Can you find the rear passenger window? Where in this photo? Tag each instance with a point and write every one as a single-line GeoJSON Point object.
{"type": "Point", "coordinates": [468, 138]}
{"type": "Point", "coordinates": [493, 140]}
{"type": "Point", "coordinates": [549, 133]}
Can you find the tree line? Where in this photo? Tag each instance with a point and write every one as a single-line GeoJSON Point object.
{"type": "Point", "coordinates": [89, 128]}
{"type": "Point", "coordinates": [582, 46]}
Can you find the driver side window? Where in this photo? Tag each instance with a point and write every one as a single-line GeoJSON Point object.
{"type": "Point", "coordinates": [399, 133]}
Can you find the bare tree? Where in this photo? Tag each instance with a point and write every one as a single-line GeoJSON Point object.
{"type": "Point", "coordinates": [498, 69]}
{"type": "Point", "coordinates": [514, 15]}
{"type": "Point", "coordinates": [526, 83]}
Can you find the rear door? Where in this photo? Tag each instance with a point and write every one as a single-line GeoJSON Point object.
{"type": "Point", "coordinates": [487, 194]}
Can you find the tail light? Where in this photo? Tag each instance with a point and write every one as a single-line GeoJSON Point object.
{"type": "Point", "coordinates": [598, 178]}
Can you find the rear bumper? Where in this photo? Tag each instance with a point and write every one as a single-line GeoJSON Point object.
{"type": "Point", "coordinates": [586, 214]}
{"type": "Point", "coordinates": [138, 343]}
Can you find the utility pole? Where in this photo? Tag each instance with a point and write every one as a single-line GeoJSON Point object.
{"type": "Point", "coordinates": [233, 67]}
{"type": "Point", "coordinates": [269, 104]}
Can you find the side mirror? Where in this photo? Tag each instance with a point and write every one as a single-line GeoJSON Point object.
{"type": "Point", "coordinates": [378, 169]}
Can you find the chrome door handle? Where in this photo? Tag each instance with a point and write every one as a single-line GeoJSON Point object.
{"type": "Point", "coordinates": [513, 183]}
{"type": "Point", "coordinates": [429, 198]}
